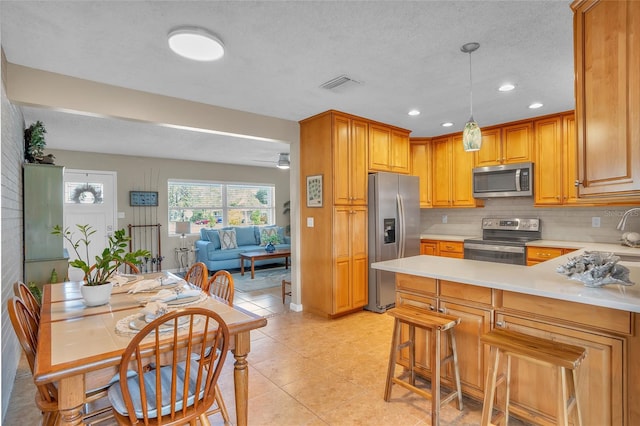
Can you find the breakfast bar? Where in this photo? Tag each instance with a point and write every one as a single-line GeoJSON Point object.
{"type": "Point", "coordinates": [539, 301]}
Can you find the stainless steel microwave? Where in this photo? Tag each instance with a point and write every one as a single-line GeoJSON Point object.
{"type": "Point", "coordinates": [509, 180]}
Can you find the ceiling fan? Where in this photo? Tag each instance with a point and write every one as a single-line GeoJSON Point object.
{"type": "Point", "coordinates": [282, 163]}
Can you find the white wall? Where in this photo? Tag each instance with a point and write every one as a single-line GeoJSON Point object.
{"type": "Point", "coordinates": [12, 158]}
{"type": "Point", "coordinates": [560, 223]}
{"type": "Point", "coordinates": [152, 174]}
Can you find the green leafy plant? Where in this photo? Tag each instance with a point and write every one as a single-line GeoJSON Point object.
{"type": "Point", "coordinates": [273, 239]}
{"type": "Point", "coordinates": [34, 142]}
{"type": "Point", "coordinates": [112, 257]}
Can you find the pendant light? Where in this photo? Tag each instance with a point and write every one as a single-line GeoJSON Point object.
{"type": "Point", "coordinates": [283, 161]}
{"type": "Point", "coordinates": [471, 136]}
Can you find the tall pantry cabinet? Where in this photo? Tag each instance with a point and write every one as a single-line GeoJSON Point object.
{"type": "Point", "coordinates": [333, 252]}
{"type": "Point", "coordinates": [43, 204]}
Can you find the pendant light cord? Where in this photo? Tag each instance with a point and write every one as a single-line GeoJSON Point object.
{"type": "Point", "coordinates": [470, 90]}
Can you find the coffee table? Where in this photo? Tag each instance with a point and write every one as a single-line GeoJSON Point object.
{"type": "Point", "coordinates": [261, 255]}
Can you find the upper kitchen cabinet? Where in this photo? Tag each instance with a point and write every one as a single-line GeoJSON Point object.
{"type": "Point", "coordinates": [337, 144]}
{"type": "Point", "coordinates": [607, 65]}
{"type": "Point", "coordinates": [421, 166]}
{"type": "Point", "coordinates": [452, 168]}
{"type": "Point", "coordinates": [388, 149]}
{"type": "Point", "coordinates": [506, 144]}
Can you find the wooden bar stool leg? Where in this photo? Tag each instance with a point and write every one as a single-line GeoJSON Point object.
{"type": "Point", "coordinates": [435, 377]}
{"type": "Point", "coordinates": [490, 387]}
{"type": "Point", "coordinates": [507, 393]}
{"type": "Point", "coordinates": [412, 355]}
{"type": "Point", "coordinates": [392, 359]}
{"type": "Point", "coordinates": [574, 380]}
{"type": "Point", "coordinates": [456, 370]}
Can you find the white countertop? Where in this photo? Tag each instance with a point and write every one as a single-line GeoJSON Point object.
{"type": "Point", "coordinates": [447, 237]}
{"type": "Point", "coordinates": [538, 280]}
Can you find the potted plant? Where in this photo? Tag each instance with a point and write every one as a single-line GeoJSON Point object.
{"type": "Point", "coordinates": [98, 274]}
{"type": "Point", "coordinates": [271, 240]}
{"type": "Point", "coordinates": [34, 142]}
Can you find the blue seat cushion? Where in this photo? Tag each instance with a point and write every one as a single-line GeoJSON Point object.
{"type": "Point", "coordinates": [115, 392]}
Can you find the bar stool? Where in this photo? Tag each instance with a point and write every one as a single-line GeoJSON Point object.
{"type": "Point", "coordinates": [284, 289]}
{"type": "Point", "coordinates": [434, 323]}
{"type": "Point", "coordinates": [566, 358]}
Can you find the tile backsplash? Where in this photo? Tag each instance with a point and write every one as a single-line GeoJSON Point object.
{"type": "Point", "coordinates": [559, 223]}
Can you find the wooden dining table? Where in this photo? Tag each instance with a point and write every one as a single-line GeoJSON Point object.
{"type": "Point", "coordinates": [79, 348]}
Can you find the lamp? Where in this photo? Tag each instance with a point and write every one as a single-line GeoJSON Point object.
{"type": "Point", "coordinates": [196, 43]}
{"type": "Point", "coordinates": [183, 228]}
{"type": "Point", "coordinates": [283, 161]}
{"type": "Point", "coordinates": [471, 136]}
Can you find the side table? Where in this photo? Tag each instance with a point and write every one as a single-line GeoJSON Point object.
{"type": "Point", "coordinates": [185, 257]}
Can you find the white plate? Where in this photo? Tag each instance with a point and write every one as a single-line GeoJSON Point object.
{"type": "Point", "coordinates": [139, 323]}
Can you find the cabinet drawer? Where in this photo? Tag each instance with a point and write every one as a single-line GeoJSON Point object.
{"type": "Point", "coordinates": [425, 302]}
{"type": "Point", "coordinates": [415, 284]}
{"type": "Point", "coordinates": [465, 292]}
{"type": "Point", "coordinates": [451, 247]}
{"type": "Point", "coordinates": [579, 313]}
{"type": "Point", "coordinates": [543, 253]}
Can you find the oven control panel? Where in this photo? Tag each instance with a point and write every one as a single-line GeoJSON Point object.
{"type": "Point", "coordinates": [511, 224]}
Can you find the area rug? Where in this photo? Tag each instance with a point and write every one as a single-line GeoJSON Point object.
{"type": "Point", "coordinates": [265, 278]}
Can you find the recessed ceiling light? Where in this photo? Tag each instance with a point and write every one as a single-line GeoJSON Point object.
{"type": "Point", "coordinates": [447, 124]}
{"type": "Point", "coordinates": [535, 105]}
{"type": "Point", "coordinates": [196, 43]}
{"type": "Point", "coordinates": [414, 112]}
{"type": "Point", "coordinates": [507, 87]}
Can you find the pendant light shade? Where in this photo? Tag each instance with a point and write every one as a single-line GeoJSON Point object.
{"type": "Point", "coordinates": [471, 136]}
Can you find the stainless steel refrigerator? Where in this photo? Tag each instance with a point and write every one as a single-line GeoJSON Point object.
{"type": "Point", "coordinates": [394, 231]}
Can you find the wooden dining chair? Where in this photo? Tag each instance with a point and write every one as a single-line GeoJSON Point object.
{"type": "Point", "coordinates": [197, 275]}
{"type": "Point", "coordinates": [163, 396]}
{"type": "Point", "coordinates": [21, 290]}
{"type": "Point", "coordinates": [221, 285]}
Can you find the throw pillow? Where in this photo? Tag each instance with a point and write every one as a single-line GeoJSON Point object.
{"type": "Point", "coordinates": [245, 236]}
{"type": "Point", "coordinates": [266, 233]}
{"type": "Point", "coordinates": [228, 239]}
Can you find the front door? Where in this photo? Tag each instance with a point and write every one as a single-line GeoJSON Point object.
{"type": "Point", "coordinates": [89, 198]}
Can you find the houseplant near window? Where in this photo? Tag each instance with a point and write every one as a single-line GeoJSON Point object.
{"type": "Point", "coordinates": [98, 274]}
{"type": "Point", "coordinates": [271, 240]}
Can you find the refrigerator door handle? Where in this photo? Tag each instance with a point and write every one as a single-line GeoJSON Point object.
{"type": "Point", "coordinates": [401, 225]}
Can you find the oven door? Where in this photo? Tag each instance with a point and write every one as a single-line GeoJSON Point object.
{"type": "Point", "coordinates": [514, 255]}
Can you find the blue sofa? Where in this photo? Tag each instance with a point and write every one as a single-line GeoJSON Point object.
{"type": "Point", "coordinates": [248, 239]}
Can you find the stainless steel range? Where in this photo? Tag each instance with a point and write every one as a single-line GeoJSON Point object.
{"type": "Point", "coordinates": [503, 240]}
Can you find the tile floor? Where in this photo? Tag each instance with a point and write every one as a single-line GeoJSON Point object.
{"type": "Point", "coordinates": [305, 370]}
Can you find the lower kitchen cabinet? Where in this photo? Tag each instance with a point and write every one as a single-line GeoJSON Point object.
{"type": "Point", "coordinates": [600, 375]}
{"type": "Point", "coordinates": [607, 335]}
{"type": "Point", "coordinates": [537, 254]}
{"type": "Point", "coordinates": [451, 249]}
{"type": "Point", "coordinates": [429, 247]}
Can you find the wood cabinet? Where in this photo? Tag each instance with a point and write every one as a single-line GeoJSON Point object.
{"type": "Point", "coordinates": [506, 144]}
{"type": "Point", "coordinates": [43, 209]}
{"type": "Point", "coordinates": [537, 254]}
{"type": "Point", "coordinates": [607, 65]}
{"type": "Point", "coordinates": [421, 166]}
{"type": "Point", "coordinates": [605, 334]}
{"type": "Point", "coordinates": [351, 259]}
{"type": "Point", "coordinates": [452, 168]}
{"type": "Point", "coordinates": [451, 249]}
{"type": "Point", "coordinates": [388, 149]}
{"type": "Point", "coordinates": [429, 247]}
{"type": "Point", "coordinates": [333, 249]}
{"type": "Point", "coordinates": [555, 160]}
{"type": "Point", "coordinates": [350, 160]}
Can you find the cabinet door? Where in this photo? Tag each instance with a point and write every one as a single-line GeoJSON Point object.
{"type": "Point", "coordinates": [358, 172]}
{"type": "Point", "coordinates": [441, 172]}
{"type": "Point", "coordinates": [472, 354]}
{"type": "Point", "coordinates": [429, 248]}
{"type": "Point", "coordinates": [491, 152]}
{"type": "Point", "coordinates": [360, 258]}
{"type": "Point", "coordinates": [607, 64]}
{"type": "Point", "coordinates": [569, 159]}
{"type": "Point", "coordinates": [379, 147]}
{"type": "Point", "coordinates": [341, 162]}
{"type": "Point", "coordinates": [342, 259]}
{"type": "Point", "coordinates": [462, 167]}
{"type": "Point", "coordinates": [547, 173]}
{"type": "Point", "coordinates": [517, 141]}
{"type": "Point", "coordinates": [600, 375]}
{"type": "Point", "coordinates": [399, 155]}
{"type": "Point", "coordinates": [421, 167]}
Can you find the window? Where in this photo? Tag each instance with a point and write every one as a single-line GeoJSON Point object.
{"type": "Point", "coordinates": [216, 205]}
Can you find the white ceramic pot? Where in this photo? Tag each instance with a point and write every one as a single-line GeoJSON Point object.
{"type": "Point", "coordinates": [96, 295]}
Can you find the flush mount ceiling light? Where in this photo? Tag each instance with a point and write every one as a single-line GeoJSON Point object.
{"type": "Point", "coordinates": [414, 112]}
{"type": "Point", "coordinates": [196, 43]}
{"type": "Point", "coordinates": [535, 105]}
{"type": "Point", "coordinates": [471, 136]}
{"type": "Point", "coordinates": [507, 87]}
{"type": "Point", "coordinates": [283, 161]}
{"type": "Point", "coordinates": [447, 124]}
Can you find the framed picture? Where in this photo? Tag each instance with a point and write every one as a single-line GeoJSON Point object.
{"type": "Point", "coordinates": [314, 191]}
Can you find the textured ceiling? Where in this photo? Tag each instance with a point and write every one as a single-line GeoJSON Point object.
{"type": "Point", "coordinates": [404, 54]}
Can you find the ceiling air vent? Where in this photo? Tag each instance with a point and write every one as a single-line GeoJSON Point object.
{"type": "Point", "coordinates": [338, 81]}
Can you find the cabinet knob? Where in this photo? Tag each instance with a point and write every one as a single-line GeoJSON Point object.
{"type": "Point", "coordinates": [432, 308]}
{"type": "Point", "coordinates": [500, 324]}
{"type": "Point", "coordinates": [441, 310]}
{"type": "Point", "coordinates": [577, 183]}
